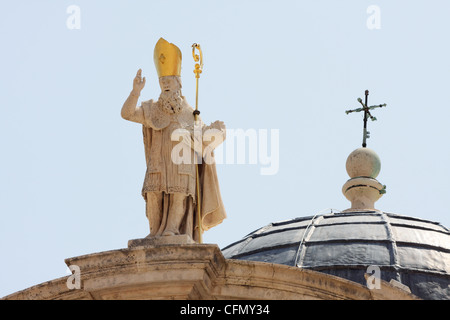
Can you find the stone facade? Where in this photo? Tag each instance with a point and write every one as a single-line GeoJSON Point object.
{"type": "Point", "coordinates": [197, 272]}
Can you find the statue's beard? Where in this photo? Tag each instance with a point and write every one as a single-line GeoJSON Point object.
{"type": "Point", "coordinates": [170, 101]}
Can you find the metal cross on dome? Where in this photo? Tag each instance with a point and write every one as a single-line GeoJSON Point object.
{"type": "Point", "coordinates": [367, 115]}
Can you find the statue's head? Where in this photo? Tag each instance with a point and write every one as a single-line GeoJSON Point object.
{"type": "Point", "coordinates": [167, 58]}
{"type": "Point", "coordinates": [170, 83]}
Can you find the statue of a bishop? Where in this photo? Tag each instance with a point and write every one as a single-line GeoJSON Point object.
{"type": "Point", "coordinates": [171, 189]}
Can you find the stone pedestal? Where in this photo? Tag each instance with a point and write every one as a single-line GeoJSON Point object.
{"type": "Point", "coordinates": [160, 241]}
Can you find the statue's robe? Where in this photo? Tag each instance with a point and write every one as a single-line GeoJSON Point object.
{"type": "Point", "coordinates": [166, 177]}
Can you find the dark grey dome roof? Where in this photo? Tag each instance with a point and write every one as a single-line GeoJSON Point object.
{"type": "Point", "coordinates": [413, 251]}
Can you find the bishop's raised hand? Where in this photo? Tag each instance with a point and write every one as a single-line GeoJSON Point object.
{"type": "Point", "coordinates": [138, 83]}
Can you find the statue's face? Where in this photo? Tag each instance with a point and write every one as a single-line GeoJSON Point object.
{"type": "Point", "coordinates": [170, 83]}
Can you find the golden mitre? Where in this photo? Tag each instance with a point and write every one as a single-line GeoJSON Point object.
{"type": "Point", "coordinates": [167, 58]}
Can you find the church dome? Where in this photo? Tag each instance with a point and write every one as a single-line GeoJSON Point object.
{"type": "Point", "coordinates": [412, 251]}
{"type": "Point", "coordinates": [360, 243]}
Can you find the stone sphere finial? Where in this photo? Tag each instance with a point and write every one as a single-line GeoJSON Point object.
{"type": "Point", "coordinates": [363, 162]}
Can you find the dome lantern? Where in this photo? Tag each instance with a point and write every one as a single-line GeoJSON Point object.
{"type": "Point", "coordinates": [363, 166]}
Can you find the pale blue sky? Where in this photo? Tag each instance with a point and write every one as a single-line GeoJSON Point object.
{"type": "Point", "coordinates": [71, 169]}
